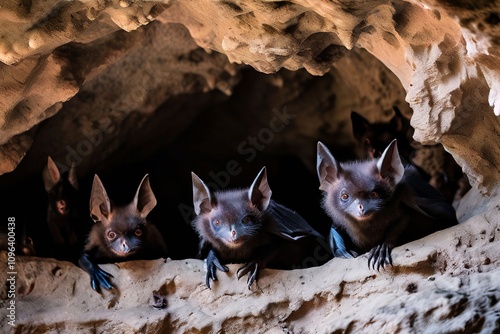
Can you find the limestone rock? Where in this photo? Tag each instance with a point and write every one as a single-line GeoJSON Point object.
{"type": "Point", "coordinates": [449, 280]}
{"type": "Point", "coordinates": [107, 83]}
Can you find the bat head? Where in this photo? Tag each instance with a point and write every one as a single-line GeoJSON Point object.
{"type": "Point", "coordinates": [373, 138]}
{"type": "Point", "coordinates": [230, 218]}
{"type": "Point", "coordinates": [125, 228]}
{"type": "Point", "coordinates": [358, 190]}
{"type": "Point", "coordinates": [62, 189]}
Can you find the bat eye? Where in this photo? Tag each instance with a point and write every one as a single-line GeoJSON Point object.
{"type": "Point", "coordinates": [374, 194]}
{"type": "Point", "coordinates": [111, 235]}
{"type": "Point", "coordinates": [367, 142]}
{"type": "Point", "coordinates": [138, 232]}
{"type": "Point", "coordinates": [217, 222]}
{"type": "Point", "coordinates": [246, 220]}
{"type": "Point", "coordinates": [344, 197]}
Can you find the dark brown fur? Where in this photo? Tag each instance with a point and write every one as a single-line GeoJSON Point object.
{"type": "Point", "coordinates": [379, 203]}
{"type": "Point", "coordinates": [120, 233]}
{"type": "Point", "coordinates": [246, 226]}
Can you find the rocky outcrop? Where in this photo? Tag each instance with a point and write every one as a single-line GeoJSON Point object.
{"type": "Point", "coordinates": [446, 282]}
{"type": "Point", "coordinates": [426, 45]}
{"type": "Point", "coordinates": [103, 84]}
{"type": "Point", "coordinates": [53, 51]}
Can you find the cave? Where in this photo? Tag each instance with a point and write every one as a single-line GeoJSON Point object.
{"type": "Point", "coordinates": [121, 89]}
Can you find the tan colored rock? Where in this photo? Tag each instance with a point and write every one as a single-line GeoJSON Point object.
{"type": "Point", "coordinates": [121, 88]}
{"type": "Point", "coordinates": [122, 78]}
{"type": "Point", "coordinates": [423, 44]}
{"type": "Point", "coordinates": [448, 72]}
{"type": "Point", "coordinates": [447, 281]}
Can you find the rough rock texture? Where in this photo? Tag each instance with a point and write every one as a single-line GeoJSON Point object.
{"type": "Point", "coordinates": [426, 44]}
{"type": "Point", "coordinates": [105, 83]}
{"type": "Point", "coordinates": [112, 73]}
{"type": "Point", "coordinates": [447, 282]}
{"type": "Point", "coordinates": [421, 43]}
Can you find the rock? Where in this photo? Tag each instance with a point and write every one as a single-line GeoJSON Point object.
{"type": "Point", "coordinates": [448, 280]}
{"type": "Point", "coordinates": [108, 84]}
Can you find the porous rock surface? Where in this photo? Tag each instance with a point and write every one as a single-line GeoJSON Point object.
{"type": "Point", "coordinates": [77, 71]}
{"type": "Point", "coordinates": [445, 55]}
{"type": "Point", "coordinates": [448, 282]}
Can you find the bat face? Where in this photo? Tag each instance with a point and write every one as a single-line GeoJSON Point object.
{"type": "Point", "coordinates": [358, 192]}
{"type": "Point", "coordinates": [62, 198]}
{"type": "Point", "coordinates": [62, 189]}
{"type": "Point", "coordinates": [125, 232]}
{"type": "Point", "coordinates": [373, 138]}
{"type": "Point", "coordinates": [233, 220]}
{"type": "Point", "coordinates": [230, 219]}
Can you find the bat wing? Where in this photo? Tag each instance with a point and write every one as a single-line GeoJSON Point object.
{"type": "Point", "coordinates": [424, 198]}
{"type": "Point", "coordinates": [288, 224]}
{"type": "Point", "coordinates": [337, 245]}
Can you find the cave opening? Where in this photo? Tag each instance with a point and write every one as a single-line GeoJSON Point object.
{"type": "Point", "coordinates": [272, 120]}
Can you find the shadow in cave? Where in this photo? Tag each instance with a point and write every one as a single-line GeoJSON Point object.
{"type": "Point", "coordinates": [292, 183]}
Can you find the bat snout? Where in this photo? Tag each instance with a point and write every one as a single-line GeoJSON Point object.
{"type": "Point", "coordinates": [62, 207]}
{"type": "Point", "coordinates": [123, 248]}
{"type": "Point", "coordinates": [361, 211]}
{"type": "Point", "coordinates": [233, 239]}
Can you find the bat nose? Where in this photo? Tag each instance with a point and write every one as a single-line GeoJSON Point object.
{"type": "Point", "coordinates": [124, 246]}
{"type": "Point", "coordinates": [61, 207]}
{"type": "Point", "coordinates": [360, 207]}
{"type": "Point", "coordinates": [233, 233]}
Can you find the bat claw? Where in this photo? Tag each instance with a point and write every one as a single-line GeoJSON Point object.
{"type": "Point", "coordinates": [252, 269]}
{"type": "Point", "coordinates": [213, 264]}
{"type": "Point", "coordinates": [380, 256]}
{"type": "Point", "coordinates": [101, 277]}
{"type": "Point", "coordinates": [98, 277]}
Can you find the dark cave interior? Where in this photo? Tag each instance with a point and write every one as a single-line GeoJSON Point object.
{"type": "Point", "coordinates": [226, 145]}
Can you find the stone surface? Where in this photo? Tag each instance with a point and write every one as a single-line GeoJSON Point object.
{"type": "Point", "coordinates": [421, 43]}
{"type": "Point", "coordinates": [448, 281]}
{"type": "Point", "coordinates": [426, 44]}
{"type": "Point", "coordinates": [109, 83]}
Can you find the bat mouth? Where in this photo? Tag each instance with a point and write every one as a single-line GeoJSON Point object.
{"type": "Point", "coordinates": [235, 243]}
{"type": "Point", "coordinates": [123, 253]}
{"type": "Point", "coordinates": [365, 216]}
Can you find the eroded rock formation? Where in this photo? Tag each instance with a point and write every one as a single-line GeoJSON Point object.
{"type": "Point", "coordinates": [107, 83]}
{"type": "Point", "coordinates": [447, 282]}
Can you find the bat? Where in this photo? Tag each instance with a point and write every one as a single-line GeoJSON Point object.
{"type": "Point", "coordinates": [120, 233]}
{"type": "Point", "coordinates": [66, 223]}
{"type": "Point", "coordinates": [379, 203]}
{"type": "Point", "coordinates": [247, 226]}
{"type": "Point", "coordinates": [373, 138]}
{"type": "Point", "coordinates": [433, 163]}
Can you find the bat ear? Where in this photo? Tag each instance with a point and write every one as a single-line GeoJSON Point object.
{"type": "Point", "coordinates": [144, 199]}
{"type": "Point", "coordinates": [390, 165]}
{"type": "Point", "coordinates": [100, 207]}
{"type": "Point", "coordinates": [260, 193]}
{"type": "Point", "coordinates": [50, 175]}
{"type": "Point", "coordinates": [72, 178]}
{"type": "Point", "coordinates": [202, 197]}
{"type": "Point", "coordinates": [327, 167]}
{"type": "Point", "coordinates": [360, 125]}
